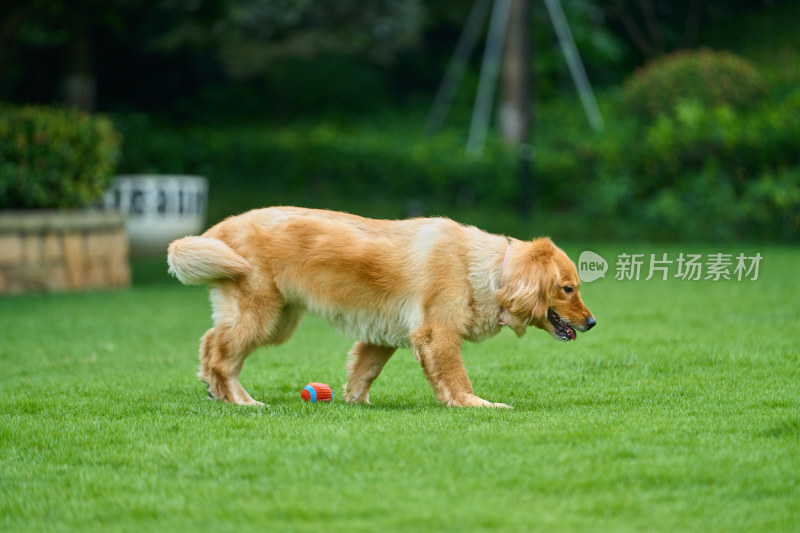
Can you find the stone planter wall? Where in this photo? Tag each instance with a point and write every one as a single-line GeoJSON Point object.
{"type": "Point", "coordinates": [62, 250]}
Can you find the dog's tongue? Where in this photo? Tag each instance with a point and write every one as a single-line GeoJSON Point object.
{"type": "Point", "coordinates": [571, 332]}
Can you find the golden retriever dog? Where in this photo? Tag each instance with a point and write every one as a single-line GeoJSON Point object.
{"type": "Point", "coordinates": [424, 283]}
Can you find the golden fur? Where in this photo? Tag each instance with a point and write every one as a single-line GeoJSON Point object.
{"type": "Point", "coordinates": [427, 283]}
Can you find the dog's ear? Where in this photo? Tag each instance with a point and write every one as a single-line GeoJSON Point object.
{"type": "Point", "coordinates": [530, 278]}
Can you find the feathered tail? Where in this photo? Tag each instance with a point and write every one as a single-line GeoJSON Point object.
{"type": "Point", "coordinates": [201, 260]}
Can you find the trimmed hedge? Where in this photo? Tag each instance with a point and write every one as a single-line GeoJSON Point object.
{"type": "Point", "coordinates": [254, 166]}
{"type": "Point", "coordinates": [696, 173]}
{"type": "Point", "coordinates": [704, 76]}
{"type": "Point", "coordinates": [54, 158]}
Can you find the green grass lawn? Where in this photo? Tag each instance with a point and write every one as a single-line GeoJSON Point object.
{"type": "Point", "coordinates": [680, 411]}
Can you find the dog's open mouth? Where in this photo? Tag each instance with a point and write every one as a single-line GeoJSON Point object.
{"type": "Point", "coordinates": [562, 330]}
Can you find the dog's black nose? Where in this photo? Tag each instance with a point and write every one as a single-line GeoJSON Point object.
{"type": "Point", "coordinates": [590, 323]}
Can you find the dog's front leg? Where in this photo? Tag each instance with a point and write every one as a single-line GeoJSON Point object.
{"type": "Point", "coordinates": [438, 349]}
{"type": "Point", "coordinates": [367, 361]}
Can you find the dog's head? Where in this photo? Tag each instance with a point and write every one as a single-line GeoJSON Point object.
{"type": "Point", "coordinates": [541, 288]}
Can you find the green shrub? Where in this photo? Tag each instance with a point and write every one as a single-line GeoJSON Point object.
{"type": "Point", "coordinates": [710, 78]}
{"type": "Point", "coordinates": [677, 147]}
{"type": "Point", "coordinates": [708, 207]}
{"type": "Point", "coordinates": [698, 172]}
{"type": "Point", "coordinates": [771, 205]}
{"type": "Point", "coordinates": [54, 158]}
{"type": "Point", "coordinates": [714, 173]}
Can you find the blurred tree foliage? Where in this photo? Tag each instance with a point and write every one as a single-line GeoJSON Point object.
{"type": "Point", "coordinates": [183, 46]}
{"type": "Point", "coordinates": [283, 57]}
{"type": "Point", "coordinates": [248, 36]}
{"type": "Point", "coordinates": [656, 27]}
{"type": "Point", "coordinates": [202, 86]}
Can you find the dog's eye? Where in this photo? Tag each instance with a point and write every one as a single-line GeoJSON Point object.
{"type": "Point", "coordinates": [568, 289]}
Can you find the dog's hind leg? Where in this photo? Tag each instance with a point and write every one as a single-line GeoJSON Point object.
{"type": "Point", "coordinates": [221, 358]}
{"type": "Point", "coordinates": [367, 361]}
{"type": "Point", "coordinates": [241, 323]}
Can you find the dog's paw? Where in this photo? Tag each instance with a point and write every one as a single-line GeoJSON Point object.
{"type": "Point", "coordinates": [475, 401]}
{"type": "Point", "coordinates": [364, 400]}
{"type": "Point", "coordinates": [351, 396]}
{"type": "Point", "coordinates": [241, 399]}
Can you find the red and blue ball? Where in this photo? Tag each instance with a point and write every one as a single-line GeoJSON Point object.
{"type": "Point", "coordinates": [317, 392]}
